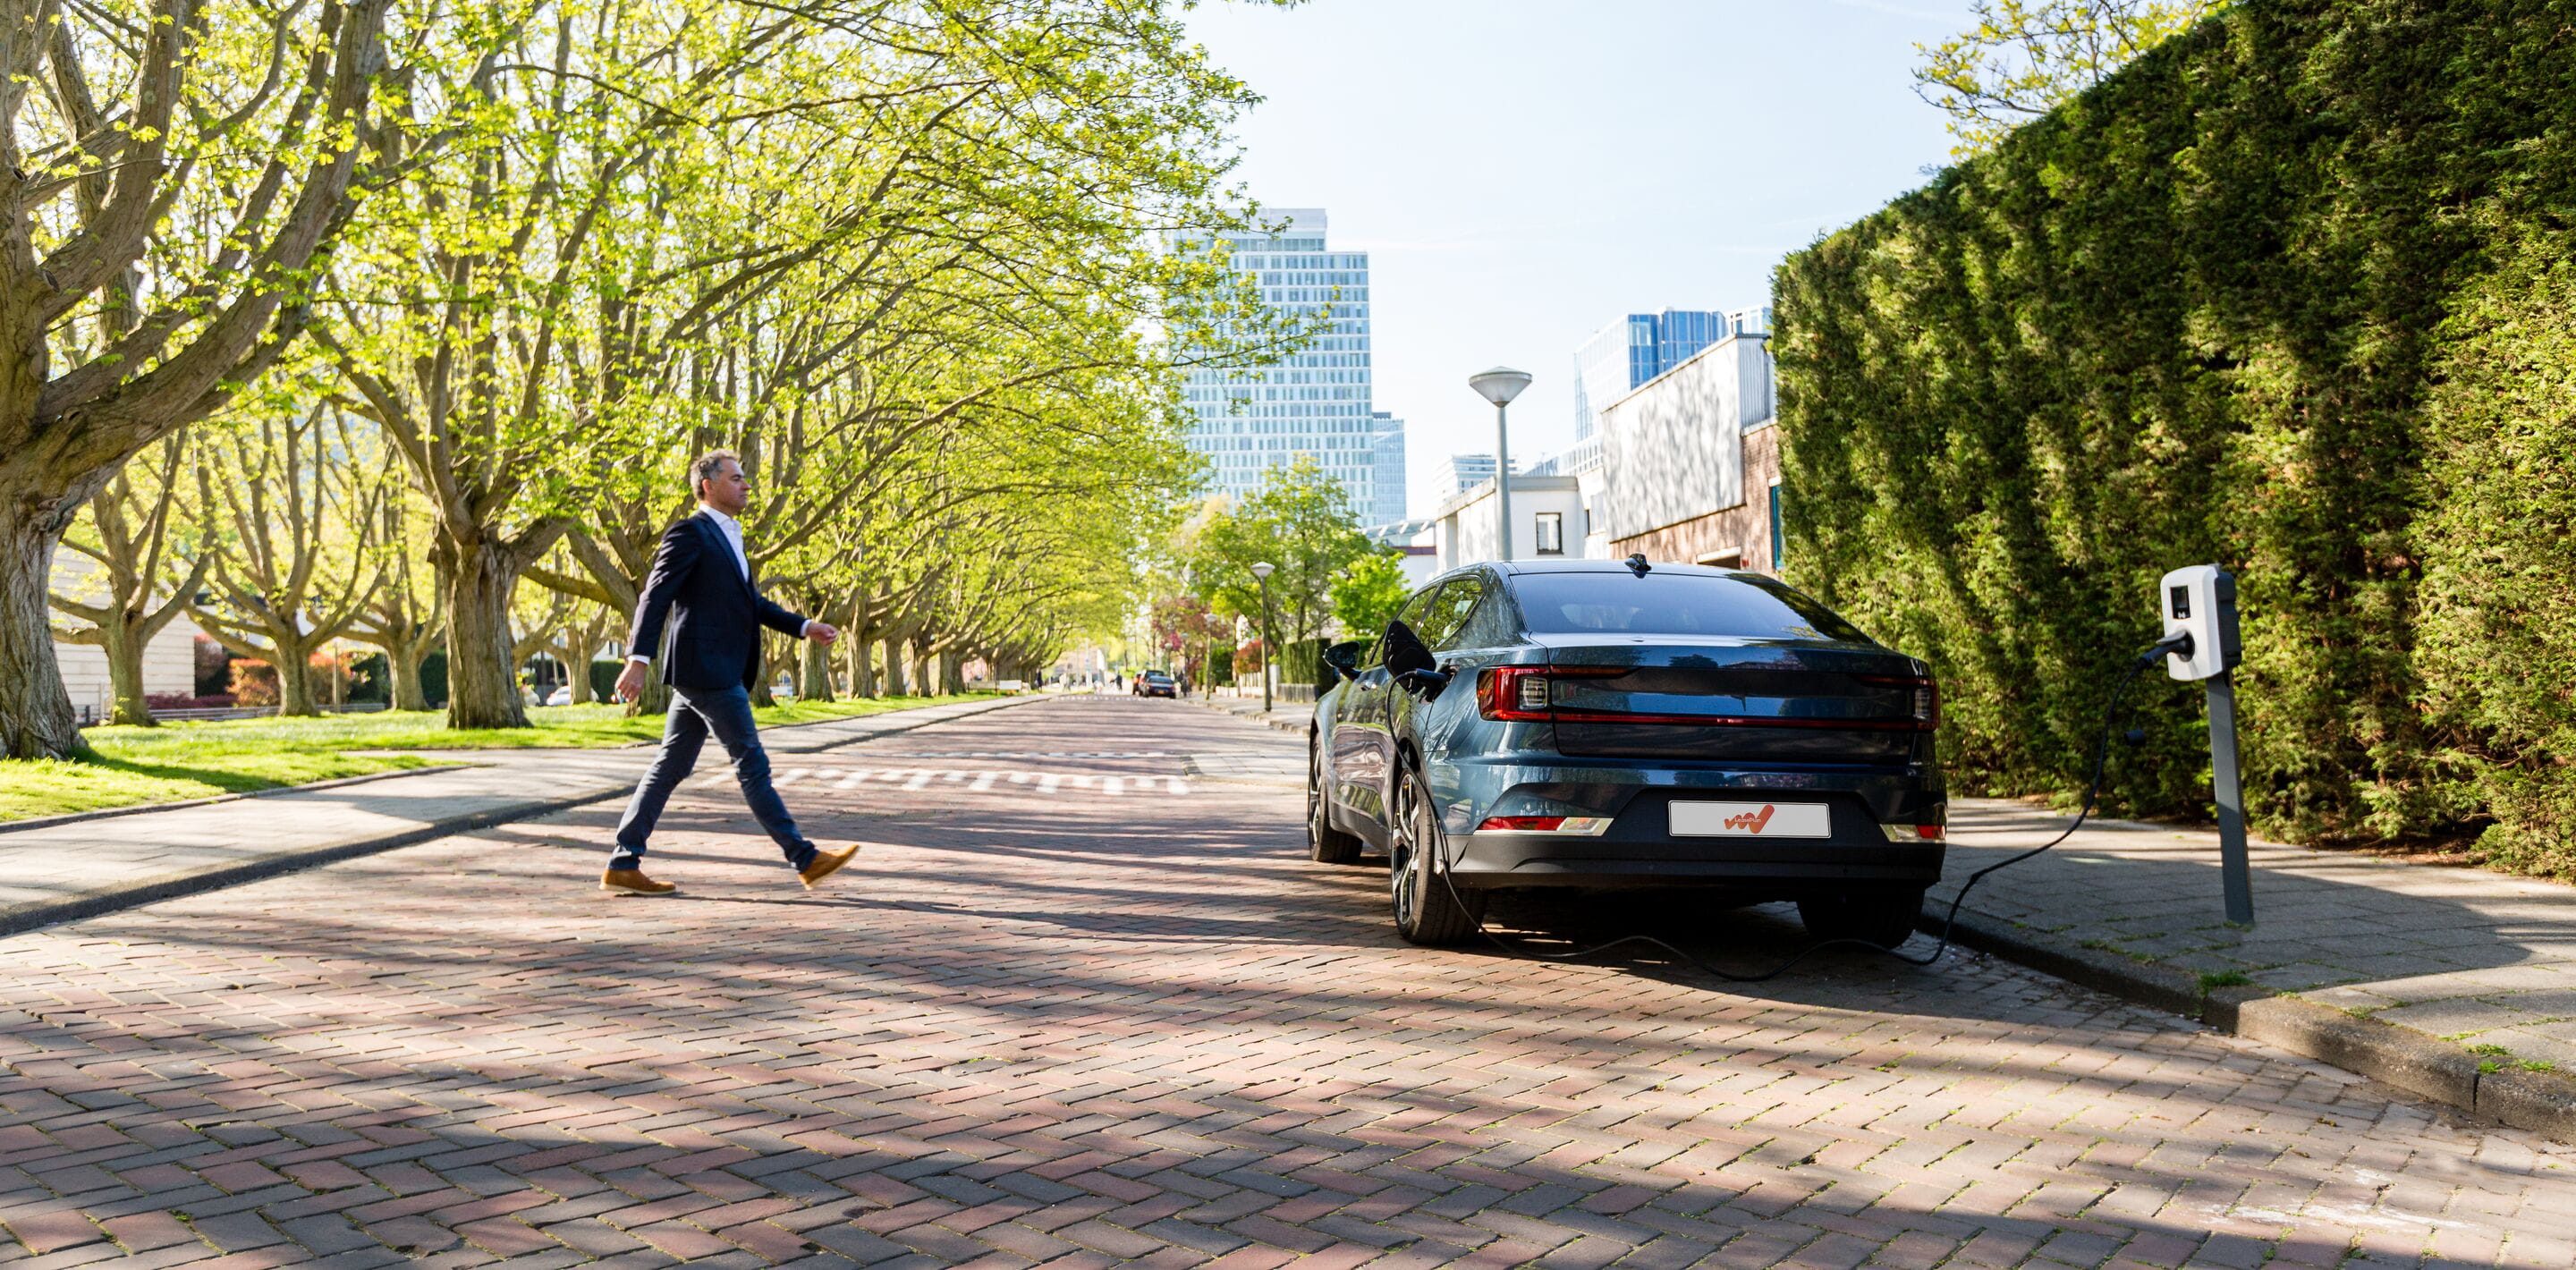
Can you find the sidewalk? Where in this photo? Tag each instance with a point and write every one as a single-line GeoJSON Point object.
{"type": "Point", "coordinates": [61, 871]}
{"type": "Point", "coordinates": [2454, 983]}
{"type": "Point", "coordinates": [2457, 984]}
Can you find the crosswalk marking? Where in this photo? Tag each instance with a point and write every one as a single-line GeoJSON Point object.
{"type": "Point", "coordinates": [972, 780]}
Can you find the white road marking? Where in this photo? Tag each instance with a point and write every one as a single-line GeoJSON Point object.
{"type": "Point", "coordinates": [983, 781]}
{"type": "Point", "coordinates": [1048, 782]}
{"type": "Point", "coordinates": [918, 780]}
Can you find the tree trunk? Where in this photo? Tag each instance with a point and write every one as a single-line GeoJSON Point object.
{"type": "Point", "coordinates": [760, 680]}
{"type": "Point", "coordinates": [816, 683]}
{"type": "Point", "coordinates": [123, 641]}
{"type": "Point", "coordinates": [482, 683]}
{"type": "Point", "coordinates": [863, 680]}
{"type": "Point", "coordinates": [294, 680]}
{"type": "Point", "coordinates": [955, 666]}
{"type": "Point", "coordinates": [893, 667]}
{"type": "Point", "coordinates": [576, 663]}
{"type": "Point", "coordinates": [402, 667]}
{"type": "Point", "coordinates": [36, 719]}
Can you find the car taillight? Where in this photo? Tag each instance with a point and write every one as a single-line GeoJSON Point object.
{"type": "Point", "coordinates": [1521, 694]}
{"type": "Point", "coordinates": [1512, 693]}
{"type": "Point", "coordinates": [1544, 824]}
{"type": "Point", "coordinates": [1922, 699]}
{"type": "Point", "coordinates": [1914, 833]}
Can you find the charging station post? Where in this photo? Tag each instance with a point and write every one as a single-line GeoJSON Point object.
{"type": "Point", "coordinates": [2199, 603]}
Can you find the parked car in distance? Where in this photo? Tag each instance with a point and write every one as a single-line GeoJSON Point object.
{"type": "Point", "coordinates": [1593, 723]}
{"type": "Point", "coordinates": [561, 696]}
{"type": "Point", "coordinates": [1154, 683]}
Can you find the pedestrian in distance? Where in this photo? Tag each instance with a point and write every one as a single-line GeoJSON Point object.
{"type": "Point", "coordinates": [702, 590]}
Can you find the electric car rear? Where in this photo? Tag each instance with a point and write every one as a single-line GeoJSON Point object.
{"type": "Point", "coordinates": [1602, 724]}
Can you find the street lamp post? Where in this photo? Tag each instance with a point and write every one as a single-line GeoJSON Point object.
{"type": "Point", "coordinates": [1261, 574]}
{"type": "Point", "coordinates": [1499, 386]}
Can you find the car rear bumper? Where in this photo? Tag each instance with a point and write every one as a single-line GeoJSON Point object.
{"type": "Point", "coordinates": [1639, 847]}
{"type": "Point", "coordinates": [1489, 860]}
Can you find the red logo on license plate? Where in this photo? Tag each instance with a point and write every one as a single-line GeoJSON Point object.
{"type": "Point", "coordinates": [1751, 821]}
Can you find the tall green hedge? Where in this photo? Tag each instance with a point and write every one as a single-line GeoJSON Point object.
{"type": "Point", "coordinates": [2288, 294]}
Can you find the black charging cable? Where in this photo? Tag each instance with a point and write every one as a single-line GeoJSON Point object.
{"type": "Point", "coordinates": [2176, 644]}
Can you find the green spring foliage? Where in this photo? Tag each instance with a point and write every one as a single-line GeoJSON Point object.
{"type": "Point", "coordinates": [2290, 294]}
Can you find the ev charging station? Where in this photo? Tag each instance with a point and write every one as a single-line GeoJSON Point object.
{"type": "Point", "coordinates": [2199, 605]}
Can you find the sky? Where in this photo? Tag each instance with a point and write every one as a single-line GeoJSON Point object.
{"type": "Point", "coordinates": [1524, 172]}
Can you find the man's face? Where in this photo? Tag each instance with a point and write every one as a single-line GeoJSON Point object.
{"type": "Point", "coordinates": [728, 491]}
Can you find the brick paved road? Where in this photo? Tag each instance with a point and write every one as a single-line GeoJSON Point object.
{"type": "Point", "coordinates": [1122, 1019]}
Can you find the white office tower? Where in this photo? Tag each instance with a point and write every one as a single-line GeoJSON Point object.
{"type": "Point", "coordinates": [1313, 402]}
{"type": "Point", "coordinates": [1389, 441]}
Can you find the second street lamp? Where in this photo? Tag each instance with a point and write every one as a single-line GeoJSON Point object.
{"type": "Point", "coordinates": [1499, 386]}
{"type": "Point", "coordinates": [1261, 574]}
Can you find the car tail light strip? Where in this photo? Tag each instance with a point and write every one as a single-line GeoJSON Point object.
{"type": "Point", "coordinates": [1521, 694]}
{"type": "Point", "coordinates": [1590, 826]}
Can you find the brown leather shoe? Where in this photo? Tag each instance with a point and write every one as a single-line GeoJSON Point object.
{"type": "Point", "coordinates": [825, 864]}
{"type": "Point", "coordinates": [633, 882]}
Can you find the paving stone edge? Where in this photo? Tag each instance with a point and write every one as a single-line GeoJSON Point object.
{"type": "Point", "coordinates": [2416, 1061]}
{"type": "Point", "coordinates": [19, 918]}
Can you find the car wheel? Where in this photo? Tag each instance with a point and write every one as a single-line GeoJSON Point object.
{"type": "Point", "coordinates": [1324, 843]}
{"type": "Point", "coordinates": [1879, 915]}
{"type": "Point", "coordinates": [1428, 910]}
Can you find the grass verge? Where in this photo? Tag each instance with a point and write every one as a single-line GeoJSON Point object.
{"type": "Point", "coordinates": [179, 761]}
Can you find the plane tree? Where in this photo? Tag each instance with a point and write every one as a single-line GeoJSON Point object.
{"type": "Point", "coordinates": [143, 573]}
{"type": "Point", "coordinates": [171, 172]}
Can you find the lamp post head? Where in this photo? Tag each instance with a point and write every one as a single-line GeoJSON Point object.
{"type": "Point", "coordinates": [1500, 384]}
{"type": "Point", "coordinates": [1262, 570]}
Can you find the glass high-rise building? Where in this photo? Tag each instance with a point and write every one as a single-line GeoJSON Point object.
{"type": "Point", "coordinates": [1389, 475]}
{"type": "Point", "coordinates": [1625, 354]}
{"type": "Point", "coordinates": [1314, 402]}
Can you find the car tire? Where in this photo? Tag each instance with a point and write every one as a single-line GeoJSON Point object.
{"type": "Point", "coordinates": [1883, 916]}
{"type": "Point", "coordinates": [1324, 843]}
{"type": "Point", "coordinates": [1428, 909]}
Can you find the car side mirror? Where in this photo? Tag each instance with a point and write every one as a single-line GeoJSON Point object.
{"type": "Point", "coordinates": [1344, 658]}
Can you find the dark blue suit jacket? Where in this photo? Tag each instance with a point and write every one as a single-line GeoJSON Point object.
{"type": "Point", "coordinates": [714, 612]}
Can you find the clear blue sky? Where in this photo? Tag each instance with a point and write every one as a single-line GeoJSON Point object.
{"type": "Point", "coordinates": [1524, 171]}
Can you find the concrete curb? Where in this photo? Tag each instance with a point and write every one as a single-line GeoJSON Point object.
{"type": "Point", "coordinates": [2417, 1062]}
{"type": "Point", "coordinates": [20, 918]}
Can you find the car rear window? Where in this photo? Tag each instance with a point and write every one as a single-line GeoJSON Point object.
{"type": "Point", "coordinates": [1741, 605]}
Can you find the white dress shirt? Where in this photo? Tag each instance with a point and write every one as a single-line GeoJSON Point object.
{"type": "Point", "coordinates": [742, 560]}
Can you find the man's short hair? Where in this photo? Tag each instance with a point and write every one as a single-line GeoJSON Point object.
{"type": "Point", "coordinates": [709, 466]}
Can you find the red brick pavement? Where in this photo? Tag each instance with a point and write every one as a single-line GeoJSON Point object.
{"type": "Point", "coordinates": [1090, 1028]}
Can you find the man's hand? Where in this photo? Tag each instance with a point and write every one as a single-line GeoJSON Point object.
{"type": "Point", "coordinates": [821, 632]}
{"type": "Point", "coordinates": [630, 681]}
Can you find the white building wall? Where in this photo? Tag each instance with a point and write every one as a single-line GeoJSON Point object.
{"type": "Point", "coordinates": [169, 662]}
{"type": "Point", "coordinates": [1465, 532]}
{"type": "Point", "coordinates": [1674, 447]}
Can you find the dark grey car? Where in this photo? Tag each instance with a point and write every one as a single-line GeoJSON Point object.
{"type": "Point", "coordinates": [1598, 724]}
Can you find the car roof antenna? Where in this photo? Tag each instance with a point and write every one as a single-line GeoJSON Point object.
{"type": "Point", "coordinates": [1637, 564]}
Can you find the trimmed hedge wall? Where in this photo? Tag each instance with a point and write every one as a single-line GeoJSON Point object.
{"type": "Point", "coordinates": [2288, 294]}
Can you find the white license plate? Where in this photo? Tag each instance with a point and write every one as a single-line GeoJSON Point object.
{"type": "Point", "coordinates": [1752, 820]}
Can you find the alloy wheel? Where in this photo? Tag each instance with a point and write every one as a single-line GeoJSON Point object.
{"type": "Point", "coordinates": [1404, 881]}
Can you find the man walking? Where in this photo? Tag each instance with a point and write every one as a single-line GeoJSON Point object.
{"type": "Point", "coordinates": [701, 584]}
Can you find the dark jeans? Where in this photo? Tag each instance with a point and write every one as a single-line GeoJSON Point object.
{"type": "Point", "coordinates": [694, 713]}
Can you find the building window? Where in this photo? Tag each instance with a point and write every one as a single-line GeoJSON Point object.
{"type": "Point", "coordinates": [1551, 533]}
{"type": "Point", "coordinates": [1779, 540]}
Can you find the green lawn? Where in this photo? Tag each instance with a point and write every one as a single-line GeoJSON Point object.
{"type": "Point", "coordinates": [179, 761]}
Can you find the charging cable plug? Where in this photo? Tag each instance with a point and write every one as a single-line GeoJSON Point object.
{"type": "Point", "coordinates": [2177, 644]}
